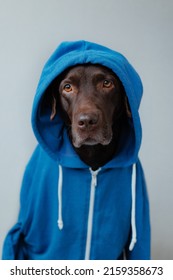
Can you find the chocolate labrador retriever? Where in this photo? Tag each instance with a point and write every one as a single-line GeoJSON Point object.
{"type": "Point", "coordinates": [94, 108]}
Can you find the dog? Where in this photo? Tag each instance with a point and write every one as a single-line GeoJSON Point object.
{"type": "Point", "coordinates": [94, 108]}
{"type": "Point", "coordinates": [83, 194]}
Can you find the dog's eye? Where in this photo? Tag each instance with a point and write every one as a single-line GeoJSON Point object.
{"type": "Point", "coordinates": [107, 83]}
{"type": "Point", "coordinates": [67, 87]}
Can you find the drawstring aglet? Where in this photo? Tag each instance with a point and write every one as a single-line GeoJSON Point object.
{"type": "Point", "coordinates": [60, 224]}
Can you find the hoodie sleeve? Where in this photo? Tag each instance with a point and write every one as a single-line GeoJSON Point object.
{"type": "Point", "coordinates": [14, 244]}
{"type": "Point", "coordinates": [141, 250]}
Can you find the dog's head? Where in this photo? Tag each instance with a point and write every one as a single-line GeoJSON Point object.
{"type": "Point", "coordinates": [92, 101]}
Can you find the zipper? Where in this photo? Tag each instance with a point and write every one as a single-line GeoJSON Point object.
{"type": "Point", "coordinates": [91, 211]}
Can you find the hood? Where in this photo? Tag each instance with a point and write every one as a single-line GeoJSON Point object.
{"type": "Point", "coordinates": [52, 135]}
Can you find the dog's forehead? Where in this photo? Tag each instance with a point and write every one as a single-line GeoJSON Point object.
{"type": "Point", "coordinates": [80, 71]}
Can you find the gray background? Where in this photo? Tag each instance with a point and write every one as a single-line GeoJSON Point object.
{"type": "Point", "coordinates": [143, 31]}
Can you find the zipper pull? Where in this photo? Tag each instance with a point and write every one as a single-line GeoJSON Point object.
{"type": "Point", "coordinates": [94, 177]}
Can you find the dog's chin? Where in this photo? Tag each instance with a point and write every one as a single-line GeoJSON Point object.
{"type": "Point", "coordinates": [78, 142]}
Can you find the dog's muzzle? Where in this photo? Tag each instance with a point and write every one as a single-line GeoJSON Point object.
{"type": "Point", "coordinates": [89, 128]}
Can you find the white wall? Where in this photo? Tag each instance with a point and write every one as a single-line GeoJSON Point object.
{"type": "Point", "coordinates": [143, 31]}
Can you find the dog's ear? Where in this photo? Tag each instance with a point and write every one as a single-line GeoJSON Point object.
{"type": "Point", "coordinates": [53, 112]}
{"type": "Point", "coordinates": [126, 102]}
{"type": "Point", "coordinates": [127, 106]}
{"type": "Point", "coordinates": [54, 92]}
{"type": "Point", "coordinates": [53, 98]}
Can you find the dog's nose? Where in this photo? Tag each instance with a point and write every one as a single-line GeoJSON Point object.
{"type": "Point", "coordinates": [87, 121]}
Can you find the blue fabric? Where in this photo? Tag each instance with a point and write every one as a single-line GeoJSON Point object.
{"type": "Point", "coordinates": [36, 234]}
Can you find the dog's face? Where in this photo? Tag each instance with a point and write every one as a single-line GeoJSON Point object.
{"type": "Point", "coordinates": [93, 99]}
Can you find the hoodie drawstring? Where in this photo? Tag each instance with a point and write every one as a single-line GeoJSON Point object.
{"type": "Point", "coordinates": [60, 182]}
{"type": "Point", "coordinates": [133, 210]}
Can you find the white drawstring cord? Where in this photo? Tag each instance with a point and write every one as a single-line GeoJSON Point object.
{"type": "Point", "coordinates": [133, 210]}
{"type": "Point", "coordinates": [60, 181]}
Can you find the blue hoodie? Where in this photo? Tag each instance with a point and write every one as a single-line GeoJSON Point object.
{"type": "Point", "coordinates": [68, 211]}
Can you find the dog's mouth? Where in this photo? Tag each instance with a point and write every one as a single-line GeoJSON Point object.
{"type": "Point", "coordinates": [80, 139]}
{"type": "Point", "coordinates": [88, 141]}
